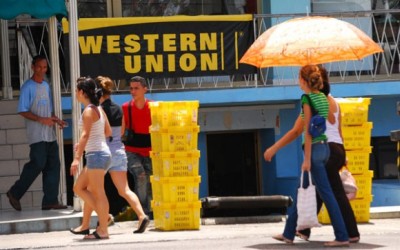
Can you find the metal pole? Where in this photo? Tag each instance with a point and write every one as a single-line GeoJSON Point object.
{"type": "Point", "coordinates": [5, 60]}
{"type": "Point", "coordinates": [75, 73]}
{"type": "Point", "coordinates": [56, 84]}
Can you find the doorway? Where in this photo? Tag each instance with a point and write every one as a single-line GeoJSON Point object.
{"type": "Point", "coordinates": [383, 159]}
{"type": "Point", "coordinates": [232, 164]}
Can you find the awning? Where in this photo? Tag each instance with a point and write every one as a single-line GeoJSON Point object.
{"type": "Point", "coordinates": [43, 9]}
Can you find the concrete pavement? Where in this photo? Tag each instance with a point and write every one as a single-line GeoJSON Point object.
{"type": "Point", "coordinates": [49, 229]}
{"type": "Point", "coordinates": [30, 221]}
{"type": "Point", "coordinates": [378, 233]}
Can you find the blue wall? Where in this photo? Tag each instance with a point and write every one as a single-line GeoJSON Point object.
{"type": "Point", "coordinates": [289, 6]}
{"type": "Point", "coordinates": [203, 165]}
{"type": "Point", "coordinates": [382, 113]}
{"type": "Point", "coordinates": [291, 154]}
{"type": "Point", "coordinates": [279, 176]}
{"type": "Point", "coordinates": [265, 95]}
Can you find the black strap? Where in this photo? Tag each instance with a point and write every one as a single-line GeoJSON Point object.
{"type": "Point", "coordinates": [130, 115]}
{"type": "Point", "coordinates": [313, 110]}
{"type": "Point", "coordinates": [140, 140]}
{"type": "Point", "coordinates": [95, 109]}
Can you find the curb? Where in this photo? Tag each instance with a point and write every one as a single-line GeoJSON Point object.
{"type": "Point", "coordinates": [39, 221]}
{"type": "Point", "coordinates": [385, 212]}
{"type": "Point", "coordinates": [241, 220]}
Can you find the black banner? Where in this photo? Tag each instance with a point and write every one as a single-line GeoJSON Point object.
{"type": "Point", "coordinates": [175, 46]}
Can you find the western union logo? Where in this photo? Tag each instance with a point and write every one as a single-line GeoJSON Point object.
{"type": "Point", "coordinates": [143, 48]}
{"type": "Point", "coordinates": [156, 47]}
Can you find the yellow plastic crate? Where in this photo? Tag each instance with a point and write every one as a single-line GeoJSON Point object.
{"type": "Point", "coordinates": [174, 139]}
{"type": "Point", "coordinates": [358, 160]}
{"type": "Point", "coordinates": [174, 164]}
{"type": "Point", "coordinates": [354, 111]}
{"type": "Point", "coordinates": [360, 208]}
{"type": "Point", "coordinates": [364, 184]}
{"type": "Point", "coordinates": [176, 216]}
{"type": "Point", "coordinates": [174, 113]}
{"type": "Point", "coordinates": [357, 137]}
{"type": "Point", "coordinates": [175, 189]}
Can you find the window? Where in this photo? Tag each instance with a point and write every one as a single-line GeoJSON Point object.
{"type": "Point", "coordinates": [340, 5]}
{"type": "Point", "coordinates": [92, 8]}
{"type": "Point", "coordinates": [186, 7]}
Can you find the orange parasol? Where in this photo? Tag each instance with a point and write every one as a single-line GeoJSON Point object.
{"type": "Point", "coordinates": [309, 40]}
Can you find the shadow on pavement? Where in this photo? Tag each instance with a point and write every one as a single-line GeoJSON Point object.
{"type": "Point", "coordinates": [312, 245]}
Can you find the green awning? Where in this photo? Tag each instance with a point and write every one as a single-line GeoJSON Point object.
{"type": "Point", "coordinates": [9, 9]}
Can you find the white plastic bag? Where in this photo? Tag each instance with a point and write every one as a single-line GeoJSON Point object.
{"type": "Point", "coordinates": [306, 205]}
{"type": "Point", "coordinates": [349, 184]}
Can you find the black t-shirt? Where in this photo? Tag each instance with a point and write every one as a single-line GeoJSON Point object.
{"type": "Point", "coordinates": [113, 112]}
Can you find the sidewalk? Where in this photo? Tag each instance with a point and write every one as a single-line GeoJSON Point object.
{"type": "Point", "coordinates": [29, 221]}
{"type": "Point", "coordinates": [377, 234]}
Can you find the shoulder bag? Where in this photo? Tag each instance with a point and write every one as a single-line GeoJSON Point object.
{"type": "Point", "coordinates": [317, 124]}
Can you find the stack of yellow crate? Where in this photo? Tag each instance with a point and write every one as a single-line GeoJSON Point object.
{"type": "Point", "coordinates": [356, 131]}
{"type": "Point", "coordinates": [175, 158]}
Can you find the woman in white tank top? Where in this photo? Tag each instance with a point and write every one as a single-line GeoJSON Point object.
{"type": "Point", "coordinates": [334, 130]}
{"type": "Point", "coordinates": [94, 128]}
{"type": "Point", "coordinates": [118, 168]}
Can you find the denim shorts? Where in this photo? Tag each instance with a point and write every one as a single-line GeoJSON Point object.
{"type": "Point", "coordinates": [119, 161]}
{"type": "Point", "coordinates": [98, 160]}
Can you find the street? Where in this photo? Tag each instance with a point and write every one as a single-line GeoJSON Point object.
{"type": "Point", "coordinates": [378, 234]}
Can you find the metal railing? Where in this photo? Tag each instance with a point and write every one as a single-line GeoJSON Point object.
{"type": "Point", "coordinates": [33, 43]}
{"type": "Point", "coordinates": [382, 26]}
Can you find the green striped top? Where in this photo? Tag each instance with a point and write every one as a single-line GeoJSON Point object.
{"type": "Point", "coordinates": [320, 103]}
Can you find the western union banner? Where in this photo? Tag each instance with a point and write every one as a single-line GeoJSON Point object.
{"type": "Point", "coordinates": [176, 46]}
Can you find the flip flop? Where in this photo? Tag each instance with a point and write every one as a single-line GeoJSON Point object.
{"type": "Point", "coordinates": [84, 232]}
{"type": "Point", "coordinates": [336, 243]}
{"type": "Point", "coordinates": [302, 236]}
{"type": "Point", "coordinates": [143, 225]}
{"type": "Point", "coordinates": [280, 237]}
{"type": "Point", "coordinates": [95, 236]}
{"type": "Point", "coordinates": [354, 239]}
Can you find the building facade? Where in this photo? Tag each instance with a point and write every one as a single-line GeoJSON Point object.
{"type": "Point", "coordinates": [241, 115]}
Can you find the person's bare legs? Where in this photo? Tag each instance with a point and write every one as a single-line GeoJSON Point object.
{"type": "Point", "coordinates": [93, 180]}
{"type": "Point", "coordinates": [87, 213]}
{"type": "Point", "coordinates": [81, 184]}
{"type": "Point", "coordinates": [99, 200]}
{"type": "Point", "coordinates": [120, 181]}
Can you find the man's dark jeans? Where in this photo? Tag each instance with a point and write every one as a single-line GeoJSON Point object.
{"type": "Point", "coordinates": [44, 158]}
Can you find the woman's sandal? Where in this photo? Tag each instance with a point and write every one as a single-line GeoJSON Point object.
{"type": "Point", "coordinates": [302, 236]}
{"type": "Point", "coordinates": [95, 236]}
{"type": "Point", "coordinates": [84, 232]}
{"type": "Point", "coordinates": [354, 239]}
{"type": "Point", "coordinates": [280, 237]}
{"type": "Point", "coordinates": [143, 225]}
{"type": "Point", "coordinates": [336, 243]}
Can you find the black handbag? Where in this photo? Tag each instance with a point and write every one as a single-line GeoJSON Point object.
{"type": "Point", "coordinates": [132, 139]}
